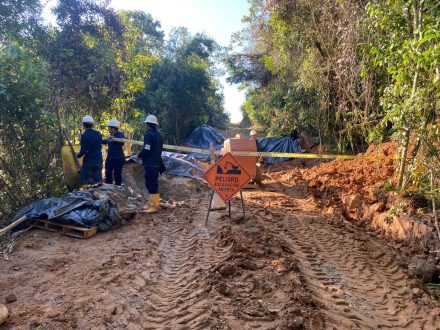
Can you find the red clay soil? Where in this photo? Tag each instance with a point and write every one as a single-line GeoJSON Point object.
{"type": "Point", "coordinates": [355, 190]}
{"type": "Point", "coordinates": [292, 265]}
{"type": "Point", "coordinates": [164, 271]}
{"type": "Point", "coordinates": [341, 185]}
{"type": "Point", "coordinates": [339, 178]}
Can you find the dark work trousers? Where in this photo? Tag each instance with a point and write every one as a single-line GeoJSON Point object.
{"type": "Point", "coordinates": [88, 172]}
{"type": "Point", "coordinates": [113, 167]}
{"type": "Point", "coordinates": [151, 175]}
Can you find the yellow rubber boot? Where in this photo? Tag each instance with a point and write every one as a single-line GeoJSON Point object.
{"type": "Point", "coordinates": [154, 204]}
{"type": "Point", "coordinates": [84, 187]}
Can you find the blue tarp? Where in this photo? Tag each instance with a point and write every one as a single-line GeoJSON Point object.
{"type": "Point", "coordinates": [286, 144]}
{"type": "Point", "coordinates": [202, 137]}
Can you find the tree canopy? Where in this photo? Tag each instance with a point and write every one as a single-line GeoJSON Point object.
{"type": "Point", "coordinates": [96, 61]}
{"type": "Point", "coordinates": [344, 73]}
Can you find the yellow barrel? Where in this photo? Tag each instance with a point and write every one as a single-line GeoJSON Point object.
{"type": "Point", "coordinates": [71, 173]}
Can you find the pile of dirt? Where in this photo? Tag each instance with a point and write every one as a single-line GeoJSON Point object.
{"type": "Point", "coordinates": [341, 183]}
{"type": "Point", "coordinates": [261, 279]}
{"type": "Point", "coordinates": [293, 163]}
{"type": "Point", "coordinates": [358, 190]}
{"type": "Point", "coordinates": [353, 182]}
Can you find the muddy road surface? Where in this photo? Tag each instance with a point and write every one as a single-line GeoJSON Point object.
{"type": "Point", "coordinates": [288, 267]}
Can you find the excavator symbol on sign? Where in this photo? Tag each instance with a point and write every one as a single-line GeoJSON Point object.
{"type": "Point", "coordinates": [229, 168]}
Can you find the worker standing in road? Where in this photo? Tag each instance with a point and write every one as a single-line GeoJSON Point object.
{"type": "Point", "coordinates": [91, 143]}
{"type": "Point", "coordinates": [151, 155]}
{"type": "Point", "coordinates": [115, 154]}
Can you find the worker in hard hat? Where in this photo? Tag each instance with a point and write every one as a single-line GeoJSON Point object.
{"type": "Point", "coordinates": [115, 154]}
{"type": "Point", "coordinates": [151, 155]}
{"type": "Point", "coordinates": [91, 143]}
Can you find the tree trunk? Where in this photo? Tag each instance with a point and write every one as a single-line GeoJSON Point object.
{"type": "Point", "coordinates": [417, 22]}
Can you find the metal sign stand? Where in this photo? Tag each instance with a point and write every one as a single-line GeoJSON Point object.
{"type": "Point", "coordinates": [229, 207]}
{"type": "Point", "coordinates": [212, 156]}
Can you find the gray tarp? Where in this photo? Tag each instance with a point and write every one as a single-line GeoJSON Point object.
{"type": "Point", "coordinates": [179, 165]}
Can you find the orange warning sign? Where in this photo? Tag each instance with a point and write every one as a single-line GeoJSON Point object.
{"type": "Point", "coordinates": [227, 177]}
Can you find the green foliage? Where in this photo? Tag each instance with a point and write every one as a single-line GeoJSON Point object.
{"type": "Point", "coordinates": [309, 51]}
{"type": "Point", "coordinates": [28, 136]}
{"type": "Point", "coordinates": [183, 91]}
{"type": "Point", "coordinates": [346, 73]}
{"type": "Point", "coordinates": [94, 61]}
{"type": "Point", "coordinates": [406, 47]}
{"type": "Point", "coordinates": [18, 19]}
{"type": "Point", "coordinates": [82, 54]}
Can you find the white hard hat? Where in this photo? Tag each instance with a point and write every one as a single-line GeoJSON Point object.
{"type": "Point", "coordinates": [114, 123]}
{"type": "Point", "coordinates": [88, 119]}
{"type": "Point", "coordinates": [151, 119]}
{"type": "Point", "coordinates": [253, 132]}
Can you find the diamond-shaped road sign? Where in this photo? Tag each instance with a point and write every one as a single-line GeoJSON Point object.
{"type": "Point", "coordinates": [227, 177]}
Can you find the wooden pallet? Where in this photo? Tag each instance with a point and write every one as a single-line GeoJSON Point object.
{"type": "Point", "coordinates": [73, 231]}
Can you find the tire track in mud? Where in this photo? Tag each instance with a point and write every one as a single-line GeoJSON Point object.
{"type": "Point", "coordinates": [360, 285]}
{"type": "Point", "coordinates": [224, 276]}
{"type": "Point", "coordinates": [179, 294]}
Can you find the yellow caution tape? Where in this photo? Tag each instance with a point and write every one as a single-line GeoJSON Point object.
{"type": "Point", "coordinates": [261, 154]}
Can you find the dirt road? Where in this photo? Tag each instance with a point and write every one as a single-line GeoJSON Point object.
{"type": "Point", "coordinates": [288, 267]}
{"type": "Point", "coordinates": [355, 278]}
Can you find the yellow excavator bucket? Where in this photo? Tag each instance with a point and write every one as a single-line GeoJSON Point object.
{"type": "Point", "coordinates": [70, 170]}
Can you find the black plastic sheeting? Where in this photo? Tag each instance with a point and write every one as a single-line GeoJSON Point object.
{"type": "Point", "coordinates": [202, 137]}
{"type": "Point", "coordinates": [179, 165]}
{"type": "Point", "coordinates": [85, 209]}
{"type": "Point", "coordinates": [285, 144]}
{"type": "Point", "coordinates": [79, 208]}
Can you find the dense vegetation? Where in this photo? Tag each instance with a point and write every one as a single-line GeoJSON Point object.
{"type": "Point", "coordinates": [93, 61]}
{"type": "Point", "coordinates": [343, 73]}
{"type": "Point", "coordinates": [346, 73]}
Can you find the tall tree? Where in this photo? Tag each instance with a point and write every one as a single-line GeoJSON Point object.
{"type": "Point", "coordinates": [183, 90]}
